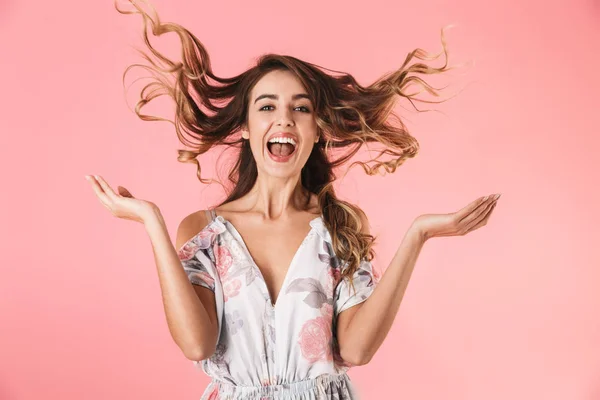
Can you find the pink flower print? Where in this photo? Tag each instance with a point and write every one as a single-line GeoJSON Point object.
{"type": "Point", "coordinates": [336, 274]}
{"type": "Point", "coordinates": [315, 339]}
{"type": "Point", "coordinates": [187, 251]}
{"type": "Point", "coordinates": [266, 381]}
{"type": "Point", "coordinates": [332, 279]}
{"type": "Point", "coordinates": [206, 236]}
{"type": "Point", "coordinates": [327, 311]}
{"type": "Point", "coordinates": [376, 274]}
{"type": "Point", "coordinates": [214, 395]}
{"type": "Point", "coordinates": [231, 288]}
{"type": "Point", "coordinates": [223, 260]}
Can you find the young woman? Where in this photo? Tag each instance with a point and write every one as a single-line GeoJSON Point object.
{"type": "Point", "coordinates": [272, 292]}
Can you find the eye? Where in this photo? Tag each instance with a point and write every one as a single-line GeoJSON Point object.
{"type": "Point", "coordinates": [304, 108]}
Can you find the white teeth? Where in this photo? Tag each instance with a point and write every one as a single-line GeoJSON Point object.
{"type": "Point", "coordinates": [283, 140]}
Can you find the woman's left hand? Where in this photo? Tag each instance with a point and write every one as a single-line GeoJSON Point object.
{"type": "Point", "coordinates": [471, 217]}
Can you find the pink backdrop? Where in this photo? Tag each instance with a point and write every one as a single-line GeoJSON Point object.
{"type": "Point", "coordinates": [510, 311]}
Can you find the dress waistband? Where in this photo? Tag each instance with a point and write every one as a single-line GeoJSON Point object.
{"type": "Point", "coordinates": [292, 388]}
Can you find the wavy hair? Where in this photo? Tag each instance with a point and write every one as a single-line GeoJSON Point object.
{"type": "Point", "coordinates": [212, 110]}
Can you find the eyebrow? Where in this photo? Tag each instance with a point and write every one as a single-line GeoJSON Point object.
{"type": "Point", "coordinates": [275, 97]}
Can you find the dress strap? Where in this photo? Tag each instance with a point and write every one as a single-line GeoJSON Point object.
{"type": "Point", "coordinates": [210, 215]}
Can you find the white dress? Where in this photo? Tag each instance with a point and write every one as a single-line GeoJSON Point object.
{"type": "Point", "coordinates": [282, 351]}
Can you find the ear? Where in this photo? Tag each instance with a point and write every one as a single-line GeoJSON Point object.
{"type": "Point", "coordinates": [319, 134]}
{"type": "Point", "coordinates": [245, 133]}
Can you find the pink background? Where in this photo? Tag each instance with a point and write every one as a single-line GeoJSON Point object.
{"type": "Point", "coordinates": [510, 311]}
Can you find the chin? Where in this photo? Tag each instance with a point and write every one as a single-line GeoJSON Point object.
{"type": "Point", "coordinates": [282, 172]}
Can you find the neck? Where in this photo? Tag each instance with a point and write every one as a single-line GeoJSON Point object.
{"type": "Point", "coordinates": [277, 198]}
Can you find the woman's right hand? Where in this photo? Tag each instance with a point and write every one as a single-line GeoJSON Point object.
{"type": "Point", "coordinates": [122, 204]}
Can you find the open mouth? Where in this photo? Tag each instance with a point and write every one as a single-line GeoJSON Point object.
{"type": "Point", "coordinates": [281, 149]}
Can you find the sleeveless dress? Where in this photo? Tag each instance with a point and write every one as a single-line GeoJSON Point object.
{"type": "Point", "coordinates": [286, 350]}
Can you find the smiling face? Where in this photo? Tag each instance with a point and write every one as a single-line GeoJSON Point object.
{"type": "Point", "coordinates": [282, 128]}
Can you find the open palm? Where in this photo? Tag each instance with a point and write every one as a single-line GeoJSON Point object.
{"type": "Point", "coordinates": [471, 217]}
{"type": "Point", "coordinates": [121, 204]}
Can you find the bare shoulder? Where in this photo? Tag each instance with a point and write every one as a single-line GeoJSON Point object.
{"type": "Point", "coordinates": [189, 227]}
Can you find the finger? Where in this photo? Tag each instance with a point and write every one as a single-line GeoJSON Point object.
{"type": "Point", "coordinates": [478, 204]}
{"type": "Point", "coordinates": [104, 199]}
{"type": "Point", "coordinates": [107, 189]}
{"type": "Point", "coordinates": [481, 215]}
{"type": "Point", "coordinates": [482, 221]}
{"type": "Point", "coordinates": [476, 214]}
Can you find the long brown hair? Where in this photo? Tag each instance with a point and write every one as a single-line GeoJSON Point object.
{"type": "Point", "coordinates": [212, 111]}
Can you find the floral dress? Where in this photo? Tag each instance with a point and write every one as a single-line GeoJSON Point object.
{"type": "Point", "coordinates": [286, 350]}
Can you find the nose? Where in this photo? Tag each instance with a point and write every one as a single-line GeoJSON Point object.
{"type": "Point", "coordinates": [285, 118]}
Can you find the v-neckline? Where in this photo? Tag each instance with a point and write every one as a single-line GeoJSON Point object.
{"type": "Point", "coordinates": [287, 273]}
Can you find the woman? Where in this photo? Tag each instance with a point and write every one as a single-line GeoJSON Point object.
{"type": "Point", "coordinates": [277, 297]}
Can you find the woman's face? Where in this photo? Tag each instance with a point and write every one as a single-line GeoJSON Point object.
{"type": "Point", "coordinates": [280, 112]}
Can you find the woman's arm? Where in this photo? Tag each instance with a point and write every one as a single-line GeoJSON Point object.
{"type": "Point", "coordinates": [361, 329]}
{"type": "Point", "coordinates": [365, 326]}
{"type": "Point", "coordinates": [190, 309]}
